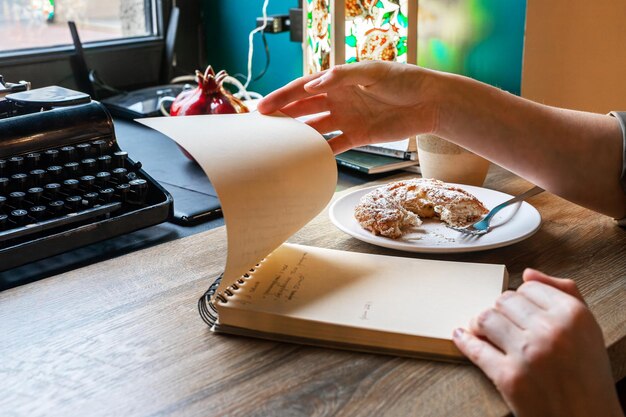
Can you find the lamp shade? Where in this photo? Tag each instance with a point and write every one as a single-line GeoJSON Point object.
{"type": "Point", "coordinates": [345, 31]}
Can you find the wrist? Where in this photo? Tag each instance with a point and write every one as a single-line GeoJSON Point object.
{"type": "Point", "coordinates": [432, 92]}
{"type": "Point", "coordinates": [464, 105]}
{"type": "Point", "coordinates": [481, 118]}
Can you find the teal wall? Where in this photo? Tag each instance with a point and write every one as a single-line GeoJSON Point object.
{"type": "Point", "coordinates": [228, 24]}
{"type": "Point", "coordinates": [495, 59]}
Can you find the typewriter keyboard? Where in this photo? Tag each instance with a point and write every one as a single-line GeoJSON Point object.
{"type": "Point", "coordinates": [70, 185]}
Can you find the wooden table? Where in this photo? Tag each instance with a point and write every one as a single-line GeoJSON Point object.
{"type": "Point", "coordinates": [123, 337]}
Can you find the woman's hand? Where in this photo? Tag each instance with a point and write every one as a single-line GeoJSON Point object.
{"type": "Point", "coordinates": [368, 102]}
{"type": "Point", "coordinates": [544, 351]}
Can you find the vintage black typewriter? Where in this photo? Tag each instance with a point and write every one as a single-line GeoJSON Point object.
{"type": "Point", "coordinates": [64, 181]}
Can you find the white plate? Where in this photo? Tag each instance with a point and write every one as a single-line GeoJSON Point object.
{"type": "Point", "coordinates": [511, 225]}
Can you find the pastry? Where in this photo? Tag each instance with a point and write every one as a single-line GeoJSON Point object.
{"type": "Point", "coordinates": [392, 209]}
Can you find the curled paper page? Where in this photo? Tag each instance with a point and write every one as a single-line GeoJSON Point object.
{"type": "Point", "coordinates": [272, 175]}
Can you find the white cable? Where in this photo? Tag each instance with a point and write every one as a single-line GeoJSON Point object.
{"type": "Point", "coordinates": [242, 93]}
{"type": "Point", "coordinates": [250, 42]}
{"type": "Point", "coordinates": [183, 78]}
{"type": "Point", "coordinates": [162, 104]}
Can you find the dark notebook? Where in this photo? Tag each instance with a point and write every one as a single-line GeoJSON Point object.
{"type": "Point", "coordinates": [195, 199]}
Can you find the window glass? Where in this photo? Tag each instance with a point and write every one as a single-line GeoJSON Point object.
{"type": "Point", "coordinates": [27, 24]}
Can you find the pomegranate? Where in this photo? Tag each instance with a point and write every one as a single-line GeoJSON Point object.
{"type": "Point", "coordinates": [210, 97]}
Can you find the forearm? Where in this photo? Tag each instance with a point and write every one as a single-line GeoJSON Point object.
{"type": "Point", "coordinates": [573, 154]}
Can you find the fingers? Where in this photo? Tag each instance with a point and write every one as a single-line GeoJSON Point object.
{"type": "Point", "coordinates": [541, 294]}
{"type": "Point", "coordinates": [480, 352]}
{"type": "Point", "coordinates": [291, 92]}
{"type": "Point", "coordinates": [363, 74]}
{"type": "Point", "coordinates": [548, 292]}
{"type": "Point", "coordinates": [309, 105]}
{"type": "Point", "coordinates": [517, 308]}
{"type": "Point", "coordinates": [323, 123]}
{"type": "Point", "coordinates": [326, 124]}
{"type": "Point", "coordinates": [498, 329]}
{"type": "Point", "coordinates": [566, 285]}
{"type": "Point", "coordinates": [341, 143]}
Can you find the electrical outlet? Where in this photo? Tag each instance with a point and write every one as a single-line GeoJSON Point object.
{"type": "Point", "coordinates": [275, 24]}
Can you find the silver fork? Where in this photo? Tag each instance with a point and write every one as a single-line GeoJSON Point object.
{"type": "Point", "coordinates": [482, 226]}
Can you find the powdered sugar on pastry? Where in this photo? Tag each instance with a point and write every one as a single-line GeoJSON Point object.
{"type": "Point", "coordinates": [393, 208]}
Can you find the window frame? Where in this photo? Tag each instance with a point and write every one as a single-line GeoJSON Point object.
{"type": "Point", "coordinates": [14, 61]}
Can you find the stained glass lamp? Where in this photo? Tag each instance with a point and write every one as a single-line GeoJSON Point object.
{"type": "Point", "coordinates": [345, 31]}
{"type": "Point", "coordinates": [482, 39]}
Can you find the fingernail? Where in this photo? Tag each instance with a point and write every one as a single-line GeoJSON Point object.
{"type": "Point", "coordinates": [458, 333]}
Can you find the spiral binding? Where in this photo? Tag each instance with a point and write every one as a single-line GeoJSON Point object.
{"type": "Point", "coordinates": [207, 310]}
{"type": "Point", "coordinates": [206, 306]}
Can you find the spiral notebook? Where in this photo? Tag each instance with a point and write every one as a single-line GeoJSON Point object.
{"type": "Point", "coordinates": [285, 176]}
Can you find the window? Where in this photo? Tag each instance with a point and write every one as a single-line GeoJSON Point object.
{"type": "Point", "coordinates": [116, 34]}
{"type": "Point", "coordinates": [36, 24]}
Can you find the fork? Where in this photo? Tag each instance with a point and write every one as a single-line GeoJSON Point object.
{"type": "Point", "coordinates": [482, 226]}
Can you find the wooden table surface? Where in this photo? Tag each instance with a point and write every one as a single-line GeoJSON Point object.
{"type": "Point", "coordinates": [123, 337]}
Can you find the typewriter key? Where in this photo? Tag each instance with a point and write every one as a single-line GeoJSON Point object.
{"type": "Point", "coordinates": [123, 189]}
{"type": "Point", "coordinates": [38, 176]}
{"type": "Point", "coordinates": [37, 211]}
{"type": "Point", "coordinates": [4, 185]}
{"type": "Point", "coordinates": [3, 199]}
{"type": "Point", "coordinates": [140, 191]}
{"type": "Point", "coordinates": [90, 198]}
{"type": "Point", "coordinates": [104, 162]}
{"type": "Point", "coordinates": [52, 189]}
{"type": "Point", "coordinates": [16, 198]}
{"type": "Point", "coordinates": [16, 163]}
{"type": "Point", "coordinates": [99, 146]}
{"type": "Point", "coordinates": [19, 180]}
{"type": "Point", "coordinates": [3, 221]}
{"type": "Point", "coordinates": [84, 150]}
{"type": "Point", "coordinates": [88, 165]}
{"type": "Point", "coordinates": [102, 178]}
{"type": "Point", "coordinates": [71, 184]}
{"type": "Point", "coordinates": [51, 155]}
{"type": "Point", "coordinates": [56, 206]}
{"type": "Point", "coordinates": [32, 159]}
{"type": "Point", "coordinates": [72, 168]}
{"type": "Point", "coordinates": [119, 173]}
{"type": "Point", "coordinates": [119, 159]}
{"type": "Point", "coordinates": [87, 180]}
{"type": "Point", "coordinates": [73, 202]}
{"type": "Point", "coordinates": [55, 171]}
{"type": "Point", "coordinates": [107, 194]}
{"type": "Point", "coordinates": [19, 216]}
{"type": "Point", "coordinates": [68, 152]}
{"type": "Point", "coordinates": [3, 166]}
{"type": "Point", "coordinates": [34, 194]}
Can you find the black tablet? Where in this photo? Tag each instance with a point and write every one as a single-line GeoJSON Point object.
{"type": "Point", "coordinates": [195, 199]}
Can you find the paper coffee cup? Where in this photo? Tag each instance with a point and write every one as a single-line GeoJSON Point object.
{"type": "Point", "coordinates": [445, 161]}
